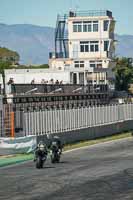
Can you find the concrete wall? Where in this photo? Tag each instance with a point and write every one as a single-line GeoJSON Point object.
{"type": "Point", "coordinates": [27, 75]}
{"type": "Point", "coordinates": [91, 132]}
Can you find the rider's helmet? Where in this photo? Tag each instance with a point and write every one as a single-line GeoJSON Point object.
{"type": "Point", "coordinates": [41, 145]}
{"type": "Point", "coordinates": [57, 140]}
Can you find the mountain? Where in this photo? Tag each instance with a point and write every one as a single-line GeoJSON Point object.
{"type": "Point", "coordinates": [33, 43]}
{"type": "Point", "coordinates": [124, 45]}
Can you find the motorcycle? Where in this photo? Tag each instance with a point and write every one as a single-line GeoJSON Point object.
{"type": "Point", "coordinates": [55, 154]}
{"type": "Point", "coordinates": [41, 156]}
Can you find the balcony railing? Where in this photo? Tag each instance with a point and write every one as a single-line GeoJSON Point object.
{"type": "Point", "coordinates": [89, 13]}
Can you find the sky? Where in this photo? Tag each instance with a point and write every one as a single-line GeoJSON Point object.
{"type": "Point", "coordinates": [44, 12]}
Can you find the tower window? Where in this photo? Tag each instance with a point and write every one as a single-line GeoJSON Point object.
{"type": "Point", "coordinates": [77, 26]}
{"type": "Point", "coordinates": [79, 64]}
{"type": "Point", "coordinates": [89, 46]}
{"type": "Point", "coordinates": [85, 26]}
{"type": "Point", "coordinates": [105, 25]}
{"type": "Point", "coordinates": [106, 45]}
{"type": "Point", "coordinates": [96, 63]}
{"type": "Point", "coordinates": [95, 26]}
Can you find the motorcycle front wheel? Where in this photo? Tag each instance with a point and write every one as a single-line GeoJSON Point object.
{"type": "Point", "coordinates": [39, 163]}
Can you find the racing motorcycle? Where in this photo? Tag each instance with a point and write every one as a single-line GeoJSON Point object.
{"type": "Point", "coordinates": [40, 156]}
{"type": "Point", "coordinates": [55, 154]}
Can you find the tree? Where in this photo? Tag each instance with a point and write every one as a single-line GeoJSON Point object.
{"type": "Point", "coordinates": [123, 74]}
{"type": "Point", "coordinates": [7, 59]}
{"type": "Point", "coordinates": [4, 65]}
{"type": "Point", "coordinates": [8, 55]}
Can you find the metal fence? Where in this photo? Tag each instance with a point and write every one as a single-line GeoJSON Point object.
{"type": "Point", "coordinates": [62, 120]}
{"type": "Point", "coordinates": [1, 123]}
{"type": "Point", "coordinates": [11, 121]}
{"type": "Point", "coordinates": [7, 119]}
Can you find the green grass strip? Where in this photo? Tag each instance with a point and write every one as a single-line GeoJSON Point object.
{"type": "Point", "coordinates": [4, 161]}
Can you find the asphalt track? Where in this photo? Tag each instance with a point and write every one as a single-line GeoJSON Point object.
{"type": "Point", "coordinates": [99, 172]}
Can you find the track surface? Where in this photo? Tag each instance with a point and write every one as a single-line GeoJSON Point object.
{"type": "Point", "coordinates": [99, 172]}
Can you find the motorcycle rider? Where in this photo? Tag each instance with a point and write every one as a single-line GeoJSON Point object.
{"type": "Point", "coordinates": [56, 142]}
{"type": "Point", "coordinates": [41, 149]}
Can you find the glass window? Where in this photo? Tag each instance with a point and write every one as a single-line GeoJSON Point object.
{"type": "Point", "coordinates": [84, 27]}
{"type": "Point", "coordinates": [92, 65]}
{"type": "Point", "coordinates": [76, 63]}
{"type": "Point", "coordinates": [96, 47]}
{"type": "Point", "coordinates": [79, 64]}
{"type": "Point", "coordinates": [96, 63]}
{"type": "Point", "coordinates": [106, 44]}
{"type": "Point", "coordinates": [74, 28]}
{"type": "Point", "coordinates": [86, 48]}
{"type": "Point", "coordinates": [91, 48]}
{"type": "Point", "coordinates": [81, 48]}
{"type": "Point", "coordinates": [95, 27]}
{"type": "Point", "coordinates": [79, 28]}
{"type": "Point", "coordinates": [105, 25]}
{"type": "Point", "coordinates": [89, 28]}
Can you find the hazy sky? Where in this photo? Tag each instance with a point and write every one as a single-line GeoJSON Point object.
{"type": "Point", "coordinates": [44, 12]}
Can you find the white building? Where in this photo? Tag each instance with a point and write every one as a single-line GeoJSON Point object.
{"type": "Point", "coordinates": [85, 46]}
{"type": "Point", "coordinates": [25, 76]}
{"type": "Point", "coordinates": [84, 52]}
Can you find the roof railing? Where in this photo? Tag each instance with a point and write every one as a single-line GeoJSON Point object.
{"type": "Point", "coordinates": [89, 13]}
